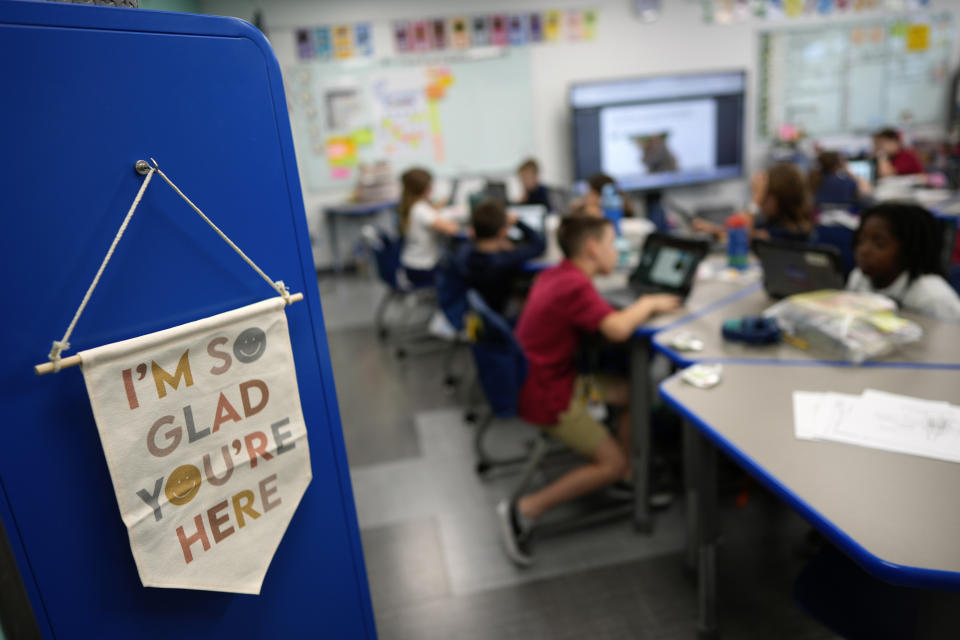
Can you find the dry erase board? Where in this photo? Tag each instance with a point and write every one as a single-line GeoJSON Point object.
{"type": "Point", "coordinates": [466, 115]}
{"type": "Point", "coordinates": [88, 91]}
{"type": "Point", "coordinates": [856, 76]}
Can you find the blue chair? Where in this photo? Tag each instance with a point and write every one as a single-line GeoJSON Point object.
{"type": "Point", "coordinates": [386, 250]}
{"type": "Point", "coordinates": [841, 238]}
{"type": "Point", "coordinates": [501, 370]}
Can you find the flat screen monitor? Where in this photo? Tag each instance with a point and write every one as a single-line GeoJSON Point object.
{"type": "Point", "coordinates": [657, 132]}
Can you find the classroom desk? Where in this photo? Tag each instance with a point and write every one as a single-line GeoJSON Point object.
{"type": "Point", "coordinates": [333, 213]}
{"type": "Point", "coordinates": [939, 347]}
{"type": "Point", "coordinates": [895, 514]}
{"type": "Point", "coordinates": [704, 297]}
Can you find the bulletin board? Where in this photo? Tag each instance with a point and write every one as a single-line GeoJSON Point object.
{"type": "Point", "coordinates": [88, 92]}
{"type": "Point", "coordinates": [856, 76]}
{"type": "Point", "coordinates": [466, 115]}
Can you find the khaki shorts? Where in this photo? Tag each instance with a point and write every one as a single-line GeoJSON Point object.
{"type": "Point", "coordinates": [576, 428]}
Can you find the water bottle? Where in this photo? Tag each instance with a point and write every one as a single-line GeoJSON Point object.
{"type": "Point", "coordinates": [612, 205]}
{"type": "Point", "coordinates": [738, 245]}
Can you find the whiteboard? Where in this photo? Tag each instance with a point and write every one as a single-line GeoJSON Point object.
{"type": "Point", "coordinates": [855, 76]}
{"type": "Point", "coordinates": [451, 117]}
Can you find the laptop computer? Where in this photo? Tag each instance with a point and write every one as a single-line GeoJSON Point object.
{"type": "Point", "coordinates": [790, 268]}
{"type": "Point", "coordinates": [862, 168]}
{"type": "Point", "coordinates": [496, 191]}
{"type": "Point", "coordinates": [668, 264]}
{"type": "Point", "coordinates": [531, 215]}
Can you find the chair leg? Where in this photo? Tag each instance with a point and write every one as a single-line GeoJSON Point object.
{"type": "Point", "coordinates": [483, 460]}
{"type": "Point", "coordinates": [540, 449]}
{"type": "Point", "coordinates": [382, 331]}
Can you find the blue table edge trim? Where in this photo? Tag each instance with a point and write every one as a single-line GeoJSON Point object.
{"type": "Point", "coordinates": [644, 330]}
{"type": "Point", "coordinates": [888, 571]}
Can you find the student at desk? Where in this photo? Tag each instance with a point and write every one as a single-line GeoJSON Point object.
{"type": "Point", "coordinates": [591, 203]}
{"type": "Point", "coordinates": [561, 307]}
{"type": "Point", "coordinates": [533, 191]}
{"type": "Point", "coordinates": [893, 158]}
{"type": "Point", "coordinates": [781, 206]}
{"type": "Point", "coordinates": [898, 248]}
{"type": "Point", "coordinates": [491, 262]}
{"type": "Point", "coordinates": [420, 225]}
{"type": "Point", "coordinates": [832, 184]}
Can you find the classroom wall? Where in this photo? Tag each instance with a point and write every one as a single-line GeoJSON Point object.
{"type": "Point", "coordinates": [679, 41]}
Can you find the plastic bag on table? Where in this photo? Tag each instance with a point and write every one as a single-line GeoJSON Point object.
{"type": "Point", "coordinates": [846, 325]}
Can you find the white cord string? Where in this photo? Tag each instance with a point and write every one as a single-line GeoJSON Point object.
{"type": "Point", "coordinates": [59, 346]}
{"type": "Point", "coordinates": [64, 343]}
{"type": "Point", "coordinates": [278, 285]}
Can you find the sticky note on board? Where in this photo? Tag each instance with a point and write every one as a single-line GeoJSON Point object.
{"type": "Point", "coordinates": [589, 24]}
{"type": "Point", "coordinates": [918, 37]}
{"type": "Point", "coordinates": [341, 151]}
{"type": "Point", "coordinates": [363, 137]}
{"type": "Point", "coordinates": [342, 42]}
{"type": "Point", "coordinates": [322, 43]}
{"type": "Point", "coordinates": [459, 33]}
{"type": "Point", "coordinates": [551, 26]}
{"type": "Point", "coordinates": [340, 173]}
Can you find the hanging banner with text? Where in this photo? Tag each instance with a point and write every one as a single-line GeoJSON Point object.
{"type": "Point", "coordinates": [206, 444]}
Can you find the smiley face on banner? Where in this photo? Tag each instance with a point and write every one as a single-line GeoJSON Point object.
{"type": "Point", "coordinates": [206, 444]}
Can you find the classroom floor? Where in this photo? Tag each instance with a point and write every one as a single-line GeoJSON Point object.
{"type": "Point", "coordinates": [429, 531]}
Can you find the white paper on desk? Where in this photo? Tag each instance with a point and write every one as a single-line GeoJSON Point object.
{"type": "Point", "coordinates": [805, 407]}
{"type": "Point", "coordinates": [817, 414]}
{"type": "Point", "coordinates": [903, 424]}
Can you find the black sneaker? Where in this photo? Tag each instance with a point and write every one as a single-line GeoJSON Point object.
{"type": "Point", "coordinates": [511, 533]}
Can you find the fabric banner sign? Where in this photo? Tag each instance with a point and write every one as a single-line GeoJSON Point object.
{"type": "Point", "coordinates": [206, 444]}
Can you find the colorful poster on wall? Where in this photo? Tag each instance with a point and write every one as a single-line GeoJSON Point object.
{"type": "Point", "coordinates": [480, 31]}
{"type": "Point", "coordinates": [342, 42]}
{"type": "Point", "coordinates": [402, 42]}
{"type": "Point", "coordinates": [421, 36]}
{"type": "Point", "coordinates": [324, 43]}
{"type": "Point", "coordinates": [590, 25]}
{"type": "Point", "coordinates": [552, 26]}
{"type": "Point", "coordinates": [793, 8]}
{"type": "Point", "coordinates": [306, 47]}
{"type": "Point", "coordinates": [517, 28]}
{"type": "Point", "coordinates": [438, 28]}
{"type": "Point", "coordinates": [363, 39]}
{"type": "Point", "coordinates": [206, 445]}
{"type": "Point", "coordinates": [459, 33]}
{"type": "Point", "coordinates": [498, 30]}
{"type": "Point", "coordinates": [535, 27]}
{"type": "Point", "coordinates": [574, 25]}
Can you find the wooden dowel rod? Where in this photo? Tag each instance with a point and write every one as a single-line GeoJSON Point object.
{"type": "Point", "coordinates": [72, 361]}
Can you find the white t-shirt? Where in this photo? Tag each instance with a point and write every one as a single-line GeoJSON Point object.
{"type": "Point", "coordinates": [928, 295]}
{"type": "Point", "coordinates": [421, 247]}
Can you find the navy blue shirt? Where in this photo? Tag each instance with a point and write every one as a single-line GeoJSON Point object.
{"type": "Point", "coordinates": [838, 189]}
{"type": "Point", "coordinates": [538, 195]}
{"type": "Point", "coordinates": [491, 274]}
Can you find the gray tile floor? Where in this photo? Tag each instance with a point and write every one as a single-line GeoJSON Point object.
{"type": "Point", "coordinates": [429, 531]}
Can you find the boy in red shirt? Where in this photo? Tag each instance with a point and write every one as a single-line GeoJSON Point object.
{"type": "Point", "coordinates": [894, 159]}
{"type": "Point", "coordinates": [563, 305]}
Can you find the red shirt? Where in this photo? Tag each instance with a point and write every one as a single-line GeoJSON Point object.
{"type": "Point", "coordinates": [905, 162]}
{"type": "Point", "coordinates": [562, 304]}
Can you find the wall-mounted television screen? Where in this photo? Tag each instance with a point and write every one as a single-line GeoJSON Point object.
{"type": "Point", "coordinates": [660, 131]}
